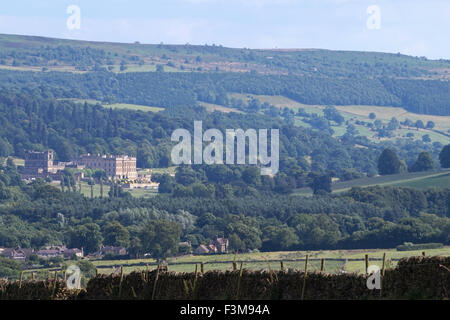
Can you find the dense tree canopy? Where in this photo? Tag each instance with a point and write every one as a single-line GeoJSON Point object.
{"type": "Point", "coordinates": [424, 163]}
{"type": "Point", "coordinates": [444, 157]}
{"type": "Point", "coordinates": [389, 163]}
{"type": "Point", "coordinates": [160, 238]}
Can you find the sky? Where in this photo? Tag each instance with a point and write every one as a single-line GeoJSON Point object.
{"type": "Point", "coordinates": [413, 27]}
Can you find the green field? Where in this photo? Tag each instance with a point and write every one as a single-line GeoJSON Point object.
{"type": "Point", "coordinates": [18, 161]}
{"type": "Point", "coordinates": [215, 107]}
{"type": "Point", "coordinates": [440, 181]}
{"type": "Point", "coordinates": [279, 102]}
{"type": "Point", "coordinates": [421, 180]}
{"type": "Point", "coordinates": [86, 190]}
{"type": "Point", "coordinates": [352, 114]}
{"type": "Point", "coordinates": [169, 170]}
{"type": "Point", "coordinates": [260, 260]}
{"type": "Point", "coordinates": [134, 107]}
{"type": "Point", "coordinates": [404, 179]}
{"type": "Point", "coordinates": [212, 58]}
{"type": "Point", "coordinates": [138, 193]}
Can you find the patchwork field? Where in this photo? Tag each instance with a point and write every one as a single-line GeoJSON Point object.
{"type": "Point", "coordinates": [386, 113]}
{"type": "Point", "coordinates": [335, 260]}
{"type": "Point", "coordinates": [353, 114]}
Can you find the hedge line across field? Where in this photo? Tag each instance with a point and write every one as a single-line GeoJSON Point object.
{"type": "Point", "coordinates": [413, 278]}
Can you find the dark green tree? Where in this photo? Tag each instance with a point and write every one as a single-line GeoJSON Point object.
{"type": "Point", "coordinates": [419, 124]}
{"type": "Point", "coordinates": [116, 235]}
{"type": "Point", "coordinates": [430, 125]}
{"type": "Point", "coordinates": [389, 163]}
{"type": "Point", "coordinates": [444, 157]}
{"type": "Point", "coordinates": [160, 238]}
{"type": "Point", "coordinates": [277, 238]}
{"type": "Point", "coordinates": [87, 236]}
{"type": "Point", "coordinates": [320, 183]}
{"type": "Point", "coordinates": [424, 163]}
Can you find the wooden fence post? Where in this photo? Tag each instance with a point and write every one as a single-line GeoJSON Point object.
{"type": "Point", "coordinates": [383, 268]}
{"type": "Point", "coordinates": [20, 280]}
{"type": "Point", "coordinates": [120, 283]}
{"type": "Point", "coordinates": [304, 277]}
{"type": "Point", "coordinates": [202, 268]}
{"type": "Point", "coordinates": [154, 284]}
{"type": "Point", "coordinates": [322, 265]}
{"type": "Point", "coordinates": [367, 264]}
{"type": "Point", "coordinates": [54, 285]}
{"type": "Point", "coordinates": [282, 265]}
{"type": "Point", "coordinates": [423, 253]}
{"type": "Point", "coordinates": [239, 281]}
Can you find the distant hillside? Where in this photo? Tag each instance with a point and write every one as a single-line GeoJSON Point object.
{"type": "Point", "coordinates": [54, 54]}
{"type": "Point", "coordinates": [170, 75]}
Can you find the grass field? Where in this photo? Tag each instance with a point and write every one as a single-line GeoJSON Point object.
{"type": "Point", "coordinates": [128, 106]}
{"type": "Point", "coordinates": [169, 170]}
{"type": "Point", "coordinates": [134, 107]}
{"type": "Point", "coordinates": [352, 114]}
{"type": "Point", "coordinates": [279, 102]}
{"type": "Point", "coordinates": [386, 113]}
{"type": "Point", "coordinates": [421, 180]}
{"type": "Point", "coordinates": [86, 190]}
{"type": "Point", "coordinates": [271, 260]}
{"type": "Point", "coordinates": [440, 181]}
{"type": "Point", "coordinates": [215, 107]}
{"type": "Point", "coordinates": [138, 193]}
{"type": "Point", "coordinates": [404, 179]}
{"type": "Point", "coordinates": [18, 161]}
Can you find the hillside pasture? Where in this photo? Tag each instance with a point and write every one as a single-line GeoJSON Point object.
{"type": "Point", "coordinates": [440, 181]}
{"type": "Point", "coordinates": [335, 260]}
{"type": "Point", "coordinates": [410, 179]}
{"type": "Point", "coordinates": [216, 107]}
{"type": "Point", "coordinates": [128, 106]}
{"type": "Point", "coordinates": [387, 113]}
{"type": "Point", "coordinates": [354, 113]}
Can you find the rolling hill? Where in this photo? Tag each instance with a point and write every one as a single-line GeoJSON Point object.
{"type": "Point", "coordinates": [70, 55]}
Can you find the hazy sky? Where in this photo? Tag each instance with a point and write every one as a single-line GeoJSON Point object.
{"type": "Point", "coordinates": [415, 27]}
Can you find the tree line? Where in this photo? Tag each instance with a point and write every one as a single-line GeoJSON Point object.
{"type": "Point", "coordinates": [166, 89]}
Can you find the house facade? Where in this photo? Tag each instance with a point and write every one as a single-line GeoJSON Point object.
{"type": "Point", "coordinates": [115, 251]}
{"type": "Point", "coordinates": [218, 245]}
{"type": "Point", "coordinates": [45, 253]}
{"type": "Point", "coordinates": [120, 167]}
{"type": "Point", "coordinates": [16, 253]}
{"type": "Point", "coordinates": [42, 165]}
